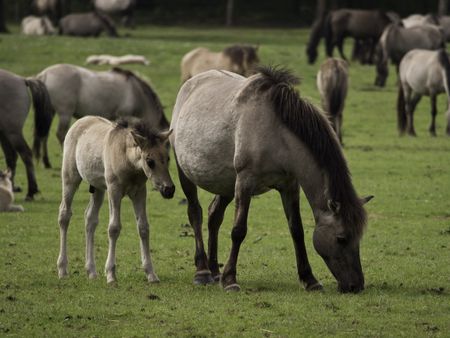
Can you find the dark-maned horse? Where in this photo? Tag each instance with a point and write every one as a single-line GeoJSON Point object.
{"type": "Point", "coordinates": [397, 40]}
{"type": "Point", "coordinates": [76, 92]}
{"type": "Point", "coordinates": [359, 24]}
{"type": "Point", "coordinates": [124, 8]}
{"type": "Point", "coordinates": [14, 108]}
{"type": "Point", "coordinates": [422, 72]}
{"type": "Point", "coordinates": [238, 137]}
{"type": "Point", "coordinates": [87, 24]}
{"type": "Point", "coordinates": [240, 59]}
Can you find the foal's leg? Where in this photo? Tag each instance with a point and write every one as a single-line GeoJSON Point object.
{"type": "Point", "coordinates": [243, 197]}
{"type": "Point", "coordinates": [433, 115]}
{"type": "Point", "coordinates": [91, 221]}
{"type": "Point", "coordinates": [290, 196]}
{"type": "Point", "coordinates": [139, 203]}
{"type": "Point", "coordinates": [216, 211]}
{"type": "Point", "coordinates": [115, 196]}
{"type": "Point", "coordinates": [10, 158]}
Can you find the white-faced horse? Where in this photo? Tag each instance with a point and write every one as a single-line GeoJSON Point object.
{"type": "Point", "coordinates": [77, 91]}
{"type": "Point", "coordinates": [33, 25]}
{"type": "Point", "coordinates": [236, 138]}
{"type": "Point", "coordinates": [119, 158]}
{"type": "Point", "coordinates": [422, 72]}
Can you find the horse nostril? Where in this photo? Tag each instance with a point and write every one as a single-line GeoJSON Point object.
{"type": "Point", "coordinates": [168, 191]}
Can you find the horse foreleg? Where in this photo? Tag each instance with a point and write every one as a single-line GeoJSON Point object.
{"type": "Point", "coordinates": [91, 221]}
{"type": "Point", "coordinates": [290, 196]}
{"type": "Point", "coordinates": [216, 211]}
{"type": "Point", "coordinates": [433, 115]}
{"type": "Point", "coordinates": [45, 158]}
{"type": "Point", "coordinates": [411, 100]}
{"type": "Point", "coordinates": [10, 158]}
{"type": "Point", "coordinates": [340, 46]}
{"type": "Point", "coordinates": [243, 197]}
{"type": "Point", "coordinates": [202, 275]}
{"type": "Point", "coordinates": [139, 205]}
{"type": "Point", "coordinates": [115, 197]}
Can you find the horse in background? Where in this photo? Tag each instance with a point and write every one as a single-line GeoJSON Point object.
{"type": "Point", "coordinates": [397, 40]}
{"type": "Point", "coordinates": [238, 137]}
{"type": "Point", "coordinates": [420, 20]}
{"type": "Point", "coordinates": [240, 59]}
{"type": "Point", "coordinates": [52, 8]}
{"type": "Point", "coordinates": [33, 25]}
{"type": "Point", "coordinates": [13, 113]}
{"type": "Point", "coordinates": [87, 24]}
{"type": "Point", "coordinates": [422, 72]}
{"type": "Point", "coordinates": [105, 59]}
{"type": "Point", "coordinates": [332, 82]}
{"type": "Point", "coordinates": [77, 91]}
{"type": "Point", "coordinates": [118, 158]}
{"type": "Point", "coordinates": [7, 193]}
{"type": "Point", "coordinates": [124, 8]}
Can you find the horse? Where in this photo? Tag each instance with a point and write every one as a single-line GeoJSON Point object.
{"type": "Point", "coordinates": [240, 59]}
{"type": "Point", "coordinates": [397, 40]}
{"type": "Point", "coordinates": [52, 8]}
{"type": "Point", "coordinates": [7, 193]}
{"type": "Point", "coordinates": [419, 20]}
{"type": "Point", "coordinates": [117, 157]}
{"type": "Point", "coordinates": [422, 72]}
{"type": "Point", "coordinates": [238, 137]}
{"type": "Point", "coordinates": [13, 113]}
{"type": "Point", "coordinates": [76, 91]}
{"type": "Point", "coordinates": [332, 82]}
{"type": "Point", "coordinates": [124, 8]}
{"type": "Point", "coordinates": [33, 25]}
{"type": "Point", "coordinates": [87, 24]}
{"type": "Point", "coordinates": [359, 24]}
{"type": "Point", "coordinates": [105, 59]}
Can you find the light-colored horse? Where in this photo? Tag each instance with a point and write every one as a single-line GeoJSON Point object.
{"type": "Point", "coordinates": [237, 138]}
{"type": "Point", "coordinates": [119, 158]}
{"type": "Point", "coordinates": [76, 91]}
{"type": "Point", "coordinates": [332, 82]}
{"type": "Point", "coordinates": [14, 108]}
{"type": "Point", "coordinates": [7, 193]}
{"type": "Point", "coordinates": [121, 7]}
{"type": "Point", "coordinates": [419, 20]}
{"type": "Point", "coordinates": [240, 59]}
{"type": "Point", "coordinates": [87, 24]}
{"type": "Point", "coordinates": [105, 59]}
{"type": "Point", "coordinates": [397, 40]}
{"type": "Point", "coordinates": [422, 72]}
{"type": "Point", "coordinates": [33, 25]}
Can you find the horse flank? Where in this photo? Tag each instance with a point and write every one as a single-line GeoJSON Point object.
{"type": "Point", "coordinates": [314, 130]}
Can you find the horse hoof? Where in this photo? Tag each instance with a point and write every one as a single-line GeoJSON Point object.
{"type": "Point", "coordinates": [17, 189]}
{"type": "Point", "coordinates": [203, 277]}
{"type": "Point", "coordinates": [63, 274]}
{"type": "Point", "coordinates": [29, 198]}
{"type": "Point", "coordinates": [92, 275]}
{"type": "Point", "coordinates": [314, 287]}
{"type": "Point", "coordinates": [216, 278]}
{"type": "Point", "coordinates": [153, 279]}
{"type": "Point", "coordinates": [232, 288]}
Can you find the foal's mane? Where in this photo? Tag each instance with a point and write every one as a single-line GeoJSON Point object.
{"type": "Point", "coordinates": [240, 53]}
{"type": "Point", "coordinates": [314, 130]}
{"type": "Point", "coordinates": [163, 122]}
{"type": "Point", "coordinates": [140, 128]}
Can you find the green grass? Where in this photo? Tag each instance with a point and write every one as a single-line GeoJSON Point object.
{"type": "Point", "coordinates": [405, 252]}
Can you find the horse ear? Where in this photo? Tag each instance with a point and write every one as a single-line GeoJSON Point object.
{"type": "Point", "coordinates": [140, 141]}
{"type": "Point", "coordinates": [366, 199]}
{"type": "Point", "coordinates": [165, 135]}
{"type": "Point", "coordinates": [7, 173]}
{"type": "Point", "coordinates": [334, 206]}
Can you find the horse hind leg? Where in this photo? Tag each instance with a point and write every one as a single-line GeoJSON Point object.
{"type": "Point", "coordinates": [10, 158]}
{"type": "Point", "coordinates": [216, 212]}
{"type": "Point", "coordinates": [203, 274]}
{"type": "Point", "coordinates": [91, 222]}
{"type": "Point", "coordinates": [432, 128]}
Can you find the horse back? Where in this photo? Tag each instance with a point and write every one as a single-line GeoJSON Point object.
{"type": "Point", "coordinates": [359, 23]}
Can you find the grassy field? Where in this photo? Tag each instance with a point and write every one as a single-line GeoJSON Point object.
{"type": "Point", "coordinates": [405, 251]}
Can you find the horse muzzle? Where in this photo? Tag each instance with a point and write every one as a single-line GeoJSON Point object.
{"type": "Point", "coordinates": [167, 191]}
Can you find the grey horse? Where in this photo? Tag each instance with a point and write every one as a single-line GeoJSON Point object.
{"type": "Point", "coordinates": [125, 8]}
{"type": "Point", "coordinates": [237, 138]}
{"type": "Point", "coordinates": [14, 108]}
{"type": "Point", "coordinates": [87, 24]}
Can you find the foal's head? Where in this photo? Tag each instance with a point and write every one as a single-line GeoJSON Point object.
{"type": "Point", "coordinates": [154, 159]}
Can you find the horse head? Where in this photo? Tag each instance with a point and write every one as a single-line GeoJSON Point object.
{"type": "Point", "coordinates": [339, 247]}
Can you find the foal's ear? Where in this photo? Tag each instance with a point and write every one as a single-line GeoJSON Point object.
{"type": "Point", "coordinates": [366, 199]}
{"type": "Point", "coordinates": [334, 206]}
{"type": "Point", "coordinates": [140, 140]}
{"type": "Point", "coordinates": [164, 136]}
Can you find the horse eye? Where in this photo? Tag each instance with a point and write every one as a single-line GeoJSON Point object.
{"type": "Point", "coordinates": [151, 163]}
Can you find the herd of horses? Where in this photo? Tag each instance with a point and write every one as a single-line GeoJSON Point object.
{"type": "Point", "coordinates": [237, 130]}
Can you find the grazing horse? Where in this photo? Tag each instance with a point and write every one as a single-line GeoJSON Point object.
{"type": "Point", "coordinates": [14, 108]}
{"type": "Point", "coordinates": [76, 91]}
{"type": "Point", "coordinates": [238, 137]}
{"type": "Point", "coordinates": [124, 8]}
{"type": "Point", "coordinates": [359, 24]}
{"type": "Point", "coordinates": [422, 72]}
{"type": "Point", "coordinates": [397, 40]}
{"type": "Point", "coordinates": [332, 82]}
{"type": "Point", "coordinates": [87, 24]}
{"type": "Point", "coordinates": [119, 158]}
{"type": "Point", "coordinates": [240, 59]}
{"type": "Point", "coordinates": [33, 25]}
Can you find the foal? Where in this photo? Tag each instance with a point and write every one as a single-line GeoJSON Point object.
{"type": "Point", "coordinates": [119, 158]}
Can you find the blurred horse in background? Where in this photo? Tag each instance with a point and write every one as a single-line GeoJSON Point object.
{"type": "Point", "coordinates": [124, 8]}
{"type": "Point", "coordinates": [87, 24]}
{"type": "Point", "coordinates": [33, 25]}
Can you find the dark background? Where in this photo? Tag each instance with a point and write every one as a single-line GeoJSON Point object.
{"type": "Point", "coordinates": [295, 13]}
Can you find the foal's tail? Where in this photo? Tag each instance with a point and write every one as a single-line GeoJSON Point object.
{"type": "Point", "coordinates": [43, 112]}
{"type": "Point", "coordinates": [401, 112]}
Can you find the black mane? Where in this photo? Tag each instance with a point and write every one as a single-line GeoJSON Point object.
{"type": "Point", "coordinates": [314, 130]}
{"type": "Point", "coordinates": [163, 122]}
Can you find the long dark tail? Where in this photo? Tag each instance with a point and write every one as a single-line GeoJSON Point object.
{"type": "Point", "coordinates": [43, 112]}
{"type": "Point", "coordinates": [328, 34]}
{"type": "Point", "coordinates": [314, 39]}
{"type": "Point", "coordinates": [401, 112]}
{"type": "Point", "coordinates": [445, 63]}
